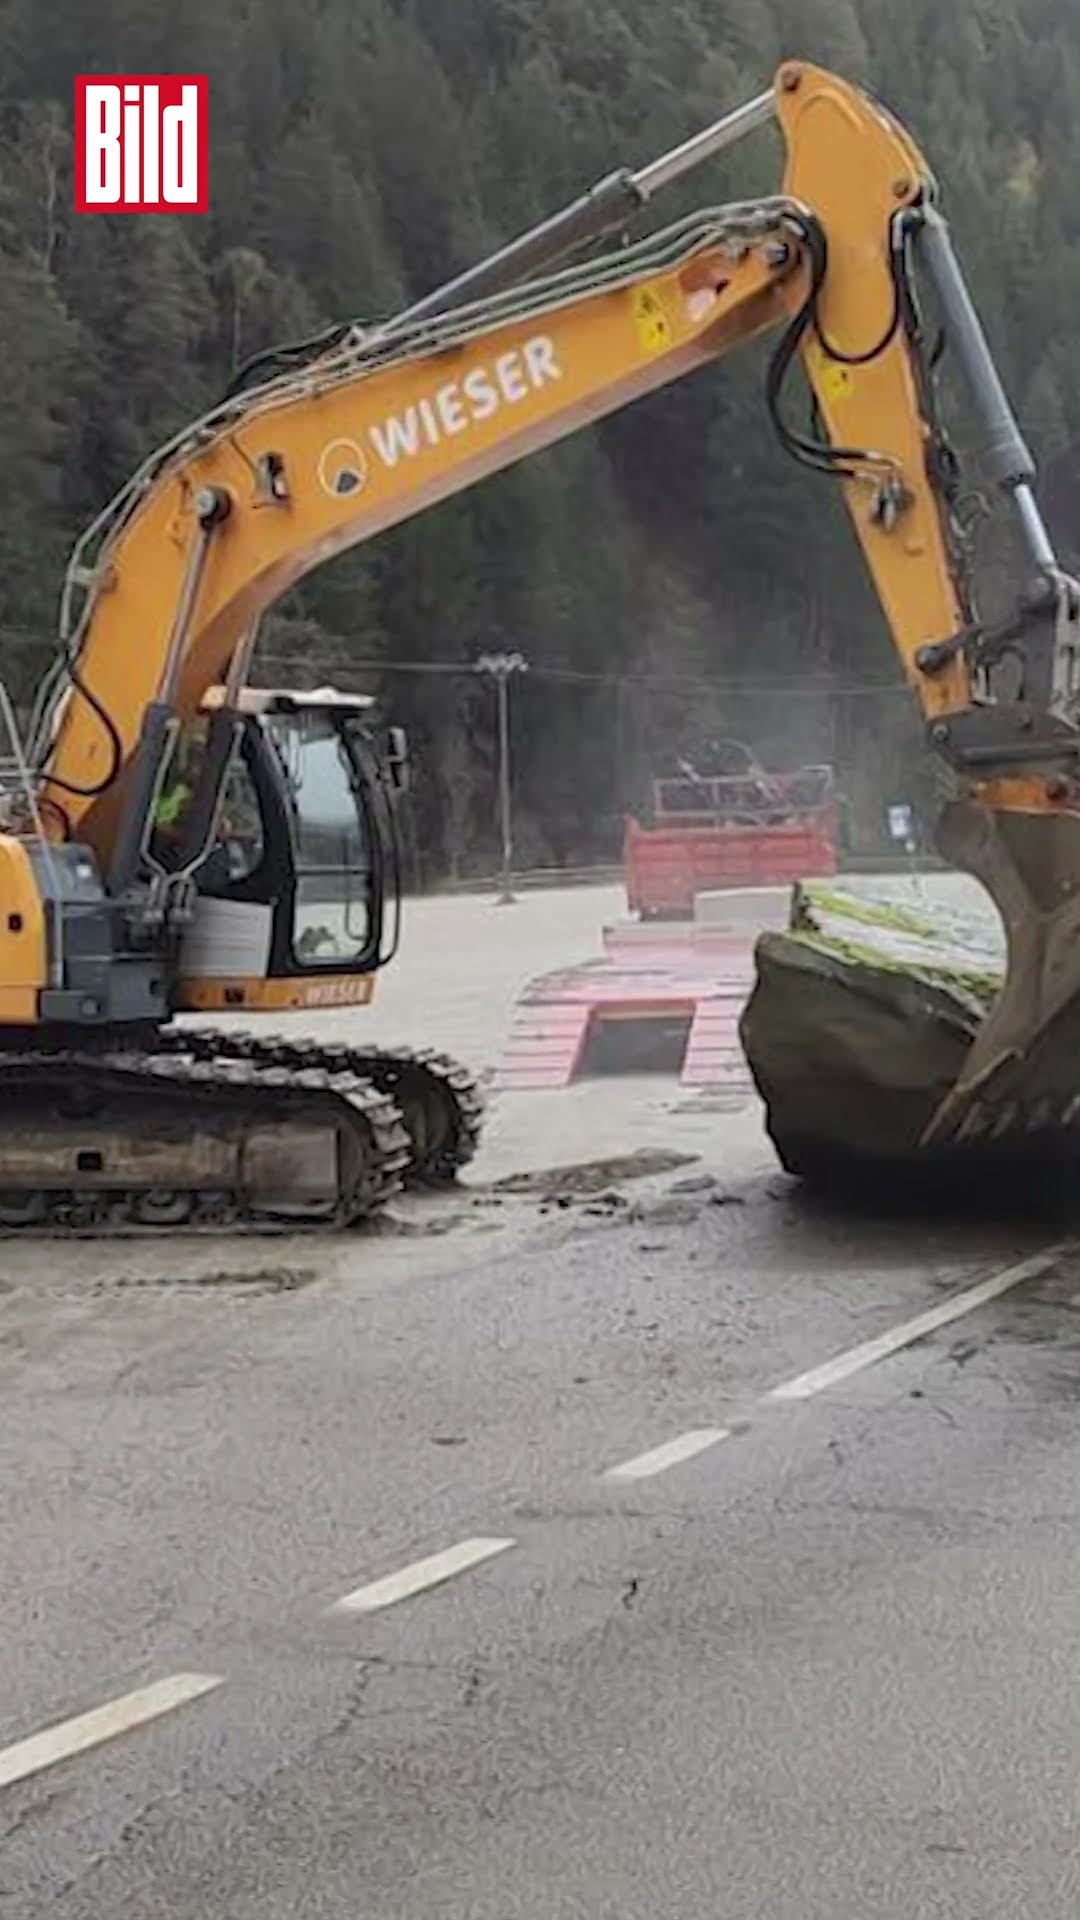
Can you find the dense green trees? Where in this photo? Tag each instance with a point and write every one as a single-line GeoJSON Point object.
{"type": "Point", "coordinates": [362, 150]}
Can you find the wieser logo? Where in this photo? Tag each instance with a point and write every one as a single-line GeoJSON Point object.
{"type": "Point", "coordinates": [141, 143]}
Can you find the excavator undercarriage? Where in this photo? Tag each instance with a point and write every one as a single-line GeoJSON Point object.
{"type": "Point", "coordinates": [221, 1131]}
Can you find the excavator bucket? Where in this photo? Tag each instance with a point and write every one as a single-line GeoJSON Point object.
{"type": "Point", "coordinates": [1020, 1081]}
{"type": "Point", "coordinates": [890, 1042]}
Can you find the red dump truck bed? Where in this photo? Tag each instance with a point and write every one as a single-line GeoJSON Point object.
{"type": "Point", "coordinates": [745, 831]}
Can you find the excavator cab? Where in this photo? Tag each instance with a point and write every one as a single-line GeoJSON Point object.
{"type": "Point", "coordinates": [298, 877]}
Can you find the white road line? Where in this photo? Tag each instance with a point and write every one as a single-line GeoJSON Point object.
{"type": "Point", "coordinates": [69, 1737]}
{"type": "Point", "coordinates": [671, 1454]}
{"type": "Point", "coordinates": [421, 1575]}
{"type": "Point", "coordinates": [816, 1381]}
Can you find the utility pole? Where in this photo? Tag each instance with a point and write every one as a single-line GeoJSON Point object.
{"type": "Point", "coordinates": [499, 666]}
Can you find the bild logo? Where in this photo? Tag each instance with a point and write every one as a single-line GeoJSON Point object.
{"type": "Point", "coordinates": [141, 143]}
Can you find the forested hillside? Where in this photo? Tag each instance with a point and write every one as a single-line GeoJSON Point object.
{"type": "Point", "coordinates": [363, 150]}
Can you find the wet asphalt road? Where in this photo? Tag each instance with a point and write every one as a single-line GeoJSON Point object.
{"type": "Point", "coordinates": [825, 1670]}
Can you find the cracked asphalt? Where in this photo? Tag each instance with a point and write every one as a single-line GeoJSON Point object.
{"type": "Point", "coordinates": [823, 1670]}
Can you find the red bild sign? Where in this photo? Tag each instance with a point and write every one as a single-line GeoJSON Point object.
{"type": "Point", "coordinates": [141, 143]}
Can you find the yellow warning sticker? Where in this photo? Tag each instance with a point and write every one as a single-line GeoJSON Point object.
{"type": "Point", "coordinates": [651, 323]}
{"type": "Point", "coordinates": [836, 381]}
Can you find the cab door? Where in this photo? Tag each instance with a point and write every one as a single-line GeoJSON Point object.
{"type": "Point", "coordinates": [292, 898]}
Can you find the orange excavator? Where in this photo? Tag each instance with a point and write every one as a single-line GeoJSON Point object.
{"type": "Point", "coordinates": [117, 915]}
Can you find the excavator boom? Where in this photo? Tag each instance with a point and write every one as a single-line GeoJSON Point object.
{"type": "Point", "coordinates": [316, 450]}
{"type": "Point", "coordinates": [331, 452]}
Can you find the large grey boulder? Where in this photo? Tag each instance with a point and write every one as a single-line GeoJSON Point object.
{"type": "Point", "coordinates": [858, 1025]}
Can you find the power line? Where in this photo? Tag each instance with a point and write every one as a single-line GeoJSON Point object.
{"type": "Point", "coordinates": [571, 676]}
{"type": "Point", "coordinates": [789, 689]}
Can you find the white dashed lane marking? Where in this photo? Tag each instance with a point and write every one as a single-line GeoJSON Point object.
{"type": "Point", "coordinates": [671, 1454]}
{"type": "Point", "coordinates": [92, 1729]}
{"type": "Point", "coordinates": [806, 1385]}
{"type": "Point", "coordinates": [421, 1575]}
{"type": "Point", "coordinates": [68, 1737]}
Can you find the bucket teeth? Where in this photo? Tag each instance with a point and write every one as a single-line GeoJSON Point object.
{"type": "Point", "coordinates": [1023, 1069]}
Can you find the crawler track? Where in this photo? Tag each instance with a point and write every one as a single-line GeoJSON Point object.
{"type": "Point", "coordinates": [437, 1097]}
{"type": "Point", "coordinates": [208, 1131]}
